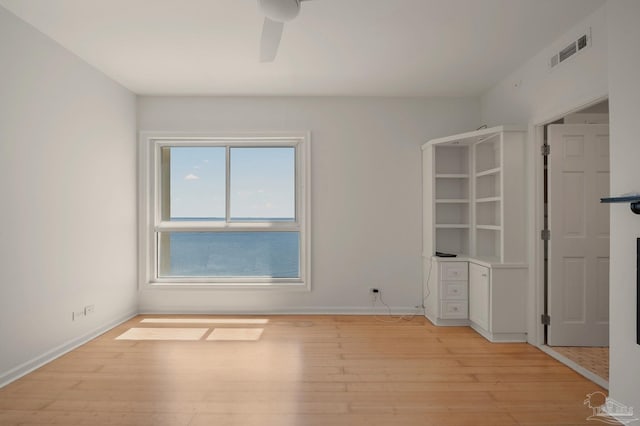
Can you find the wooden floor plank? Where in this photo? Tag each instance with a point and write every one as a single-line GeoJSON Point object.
{"type": "Point", "coordinates": [303, 370]}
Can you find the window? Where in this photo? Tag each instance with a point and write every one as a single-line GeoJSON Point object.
{"type": "Point", "coordinates": [225, 211]}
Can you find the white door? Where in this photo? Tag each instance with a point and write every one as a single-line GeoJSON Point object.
{"type": "Point", "coordinates": [578, 289]}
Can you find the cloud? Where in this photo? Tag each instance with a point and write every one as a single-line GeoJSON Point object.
{"type": "Point", "coordinates": [191, 176]}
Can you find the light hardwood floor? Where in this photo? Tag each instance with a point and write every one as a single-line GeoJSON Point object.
{"type": "Point", "coordinates": [302, 370]}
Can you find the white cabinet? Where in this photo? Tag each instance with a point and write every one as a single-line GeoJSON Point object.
{"type": "Point", "coordinates": [479, 295]}
{"type": "Point", "coordinates": [488, 297]}
{"type": "Point", "coordinates": [446, 292]}
{"type": "Point", "coordinates": [497, 301]}
{"type": "Point", "coordinates": [474, 206]}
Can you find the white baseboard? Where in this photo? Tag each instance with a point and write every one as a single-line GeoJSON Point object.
{"type": "Point", "coordinates": [499, 337]}
{"type": "Point", "coordinates": [39, 361]}
{"type": "Point", "coordinates": [325, 310]}
{"type": "Point", "coordinates": [575, 366]}
{"type": "Point", "coordinates": [446, 322]}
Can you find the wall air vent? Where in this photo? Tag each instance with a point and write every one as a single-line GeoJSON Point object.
{"type": "Point", "coordinates": [571, 49]}
{"type": "Point", "coordinates": [568, 51]}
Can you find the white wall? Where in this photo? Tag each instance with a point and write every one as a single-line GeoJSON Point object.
{"type": "Point", "coordinates": [366, 193]}
{"type": "Point", "coordinates": [610, 66]}
{"type": "Point", "coordinates": [623, 18]}
{"type": "Point", "coordinates": [534, 91]}
{"type": "Point", "coordinates": [68, 209]}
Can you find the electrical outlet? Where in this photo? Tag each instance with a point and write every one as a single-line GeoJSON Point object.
{"type": "Point", "coordinates": [89, 309]}
{"type": "Point", "coordinates": [75, 316]}
{"type": "Point", "coordinates": [374, 293]}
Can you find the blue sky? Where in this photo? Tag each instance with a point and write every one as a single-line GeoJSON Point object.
{"type": "Point", "coordinates": [262, 182]}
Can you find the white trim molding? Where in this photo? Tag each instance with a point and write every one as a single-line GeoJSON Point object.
{"type": "Point", "coordinates": [37, 362]}
{"type": "Point", "coordinates": [151, 221]}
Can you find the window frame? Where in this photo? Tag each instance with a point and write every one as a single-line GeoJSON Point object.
{"type": "Point", "coordinates": [150, 206]}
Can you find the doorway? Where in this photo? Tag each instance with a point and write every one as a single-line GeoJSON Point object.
{"type": "Point", "coordinates": [576, 238]}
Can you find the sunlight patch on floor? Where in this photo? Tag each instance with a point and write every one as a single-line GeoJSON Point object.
{"type": "Point", "coordinates": [205, 320]}
{"type": "Point", "coordinates": [163, 334]}
{"type": "Point", "coordinates": [245, 334]}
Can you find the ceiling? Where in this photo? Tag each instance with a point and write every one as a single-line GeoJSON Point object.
{"type": "Point", "coordinates": [334, 47]}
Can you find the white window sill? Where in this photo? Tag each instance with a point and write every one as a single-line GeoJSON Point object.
{"type": "Point", "coordinates": [227, 286]}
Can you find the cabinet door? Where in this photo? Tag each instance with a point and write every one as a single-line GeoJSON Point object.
{"type": "Point", "coordinates": [479, 295]}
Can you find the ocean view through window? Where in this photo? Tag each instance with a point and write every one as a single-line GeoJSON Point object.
{"type": "Point", "coordinates": [226, 211]}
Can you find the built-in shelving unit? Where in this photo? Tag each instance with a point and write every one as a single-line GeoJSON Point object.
{"type": "Point", "coordinates": [474, 207]}
{"type": "Point", "coordinates": [474, 194]}
{"type": "Point", "coordinates": [451, 204]}
{"type": "Point", "coordinates": [487, 158]}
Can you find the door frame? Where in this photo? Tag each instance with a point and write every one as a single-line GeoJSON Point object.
{"type": "Point", "coordinates": [536, 293]}
{"type": "Point", "coordinates": [591, 245]}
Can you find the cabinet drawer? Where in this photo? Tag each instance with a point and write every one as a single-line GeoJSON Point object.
{"type": "Point", "coordinates": [454, 271]}
{"type": "Point", "coordinates": [454, 309]}
{"type": "Point", "coordinates": [453, 290]}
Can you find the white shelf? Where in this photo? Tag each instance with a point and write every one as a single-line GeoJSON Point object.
{"type": "Point", "coordinates": [452, 201]}
{"type": "Point", "coordinates": [489, 227]}
{"type": "Point", "coordinates": [488, 186]}
{"type": "Point", "coordinates": [489, 172]}
{"type": "Point", "coordinates": [452, 176]}
{"type": "Point", "coordinates": [474, 194]}
{"type": "Point", "coordinates": [488, 199]}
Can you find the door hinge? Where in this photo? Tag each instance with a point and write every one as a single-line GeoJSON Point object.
{"type": "Point", "coordinates": [545, 149]}
{"type": "Point", "coordinates": [545, 319]}
{"type": "Point", "coordinates": [545, 235]}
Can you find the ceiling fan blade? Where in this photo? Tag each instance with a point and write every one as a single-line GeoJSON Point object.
{"type": "Point", "coordinates": [271, 35]}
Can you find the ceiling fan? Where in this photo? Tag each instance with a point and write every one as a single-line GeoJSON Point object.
{"type": "Point", "coordinates": [276, 13]}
